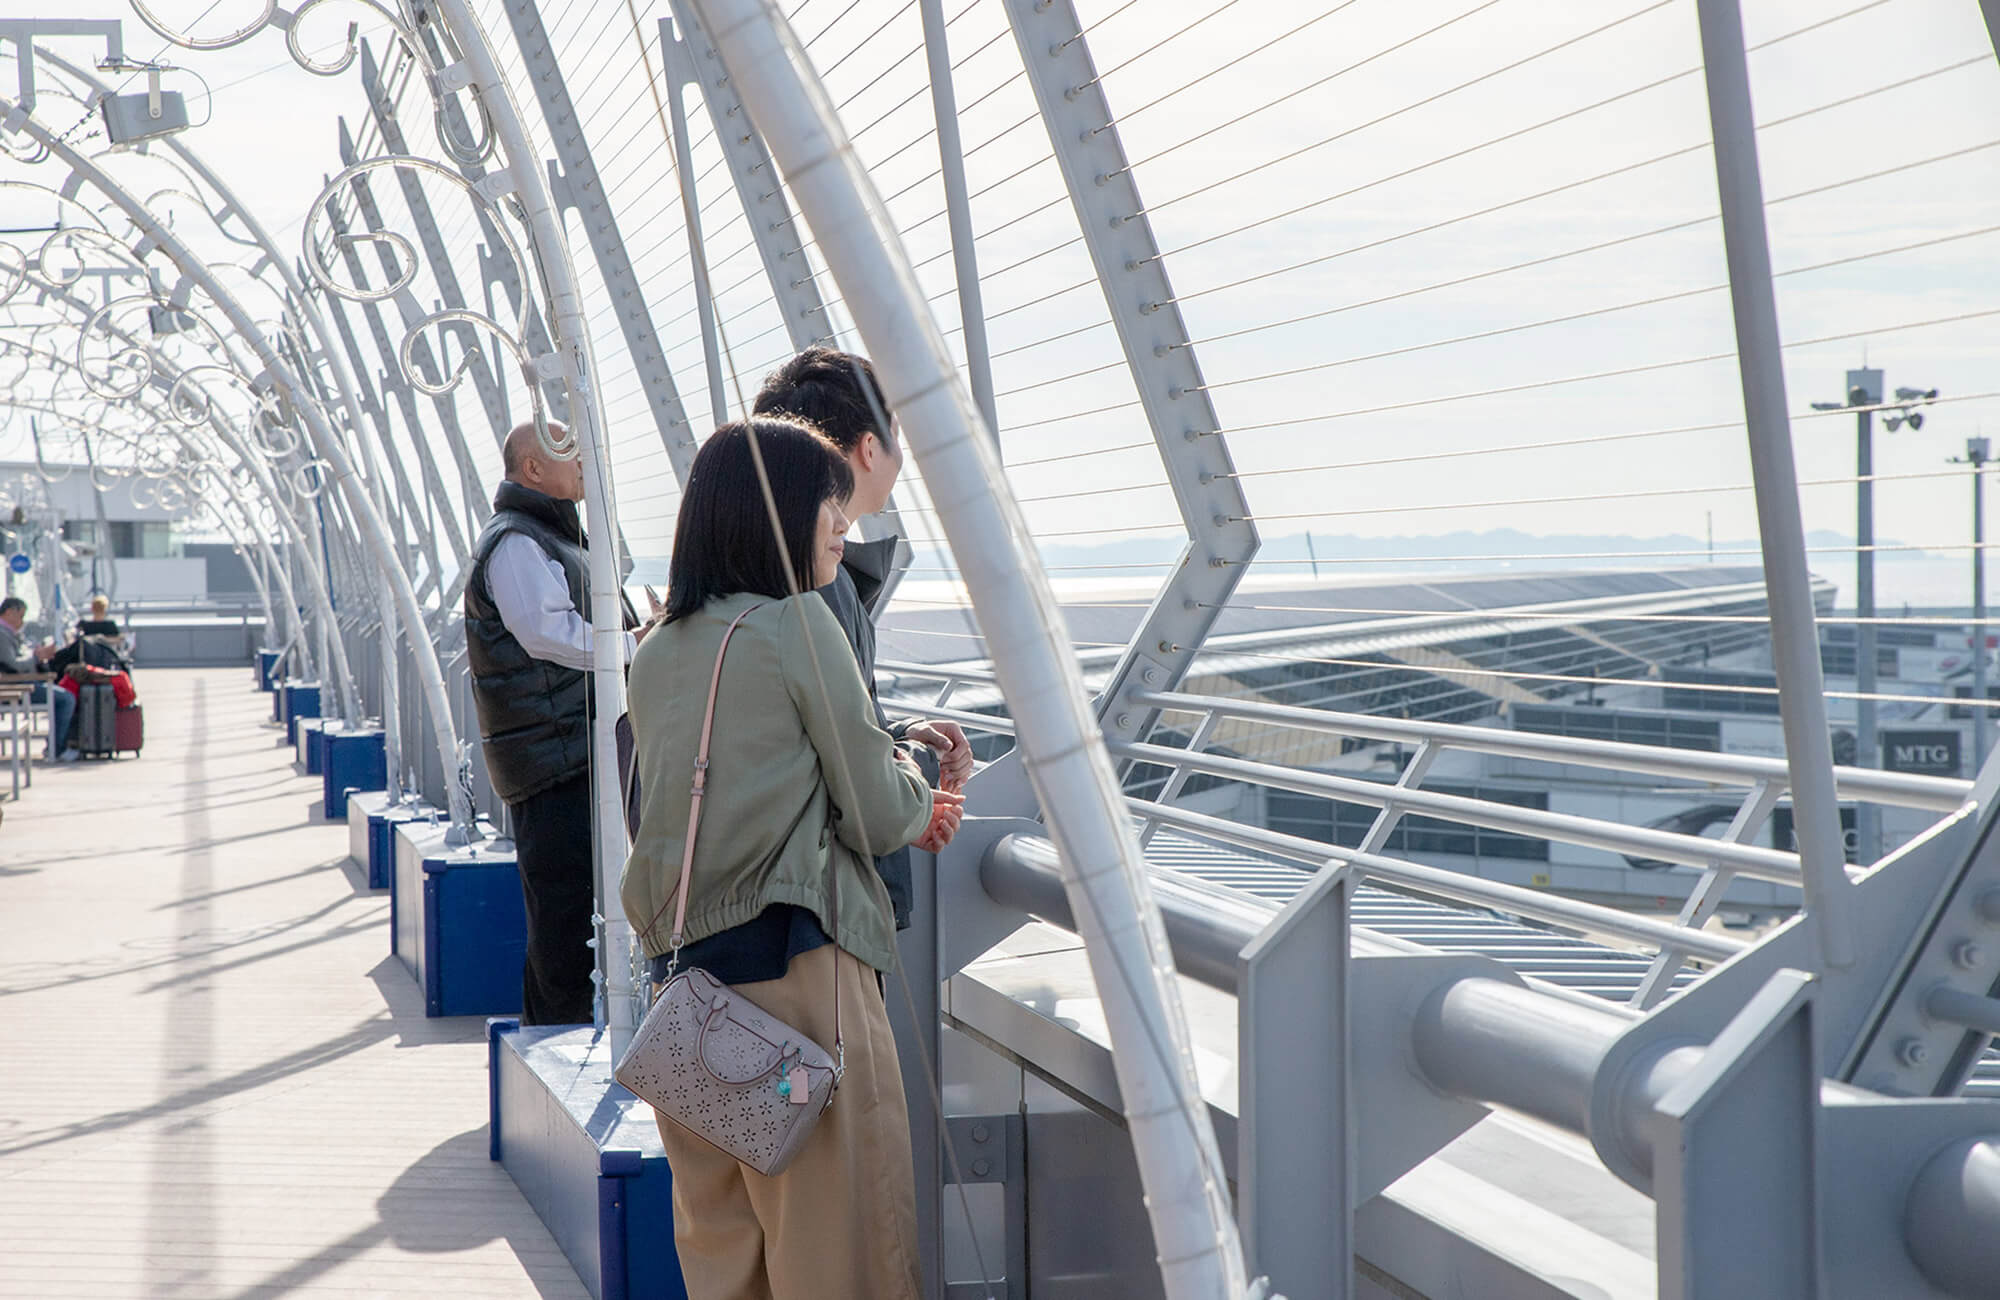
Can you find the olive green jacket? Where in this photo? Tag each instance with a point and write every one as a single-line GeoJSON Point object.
{"type": "Point", "coordinates": [798, 770]}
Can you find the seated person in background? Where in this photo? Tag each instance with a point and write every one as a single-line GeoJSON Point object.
{"type": "Point", "coordinates": [95, 664]}
{"type": "Point", "coordinates": [100, 622]}
{"type": "Point", "coordinates": [17, 658]}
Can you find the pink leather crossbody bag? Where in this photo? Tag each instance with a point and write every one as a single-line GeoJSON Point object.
{"type": "Point", "coordinates": [711, 1060]}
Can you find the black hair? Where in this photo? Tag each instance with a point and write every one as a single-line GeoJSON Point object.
{"type": "Point", "coordinates": [835, 392]}
{"type": "Point", "coordinates": [723, 542]}
{"type": "Point", "coordinates": [13, 603]}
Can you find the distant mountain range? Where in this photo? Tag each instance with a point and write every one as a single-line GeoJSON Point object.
{"type": "Point", "coordinates": [1337, 553]}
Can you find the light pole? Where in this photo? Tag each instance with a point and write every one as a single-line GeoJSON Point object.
{"type": "Point", "coordinates": [1977, 453]}
{"type": "Point", "coordinates": [1864, 397]}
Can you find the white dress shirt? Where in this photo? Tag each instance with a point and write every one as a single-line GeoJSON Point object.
{"type": "Point", "coordinates": [532, 595]}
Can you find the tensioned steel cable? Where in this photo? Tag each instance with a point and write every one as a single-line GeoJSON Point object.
{"type": "Point", "coordinates": [1598, 247]}
{"type": "Point", "coordinates": [1431, 98]}
{"type": "Point", "coordinates": [1168, 39]}
{"type": "Point", "coordinates": [1558, 443]}
{"type": "Point", "coordinates": [1244, 57]}
{"type": "Point", "coordinates": [951, 20]}
{"type": "Point", "coordinates": [1688, 553]}
{"type": "Point", "coordinates": [1568, 318]}
{"type": "Point", "coordinates": [1712, 688]}
{"type": "Point", "coordinates": [1376, 121]}
{"type": "Point", "coordinates": [1557, 617]}
{"type": "Point", "coordinates": [1648, 367]}
{"type": "Point", "coordinates": [1850, 480]}
{"type": "Point", "coordinates": [1622, 170]}
{"type": "Point", "coordinates": [863, 43]}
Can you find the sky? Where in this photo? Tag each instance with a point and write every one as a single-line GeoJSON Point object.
{"type": "Point", "coordinates": [1376, 216]}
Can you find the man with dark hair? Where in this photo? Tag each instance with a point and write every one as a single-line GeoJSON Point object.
{"type": "Point", "coordinates": [16, 658]}
{"type": "Point", "coordinates": [838, 394]}
{"type": "Point", "coordinates": [531, 647]}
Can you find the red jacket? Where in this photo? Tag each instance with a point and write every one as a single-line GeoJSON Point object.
{"type": "Point", "coordinates": [122, 689]}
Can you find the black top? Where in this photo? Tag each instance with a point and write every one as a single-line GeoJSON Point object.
{"type": "Point", "coordinates": [754, 951]}
{"type": "Point", "coordinates": [97, 627]}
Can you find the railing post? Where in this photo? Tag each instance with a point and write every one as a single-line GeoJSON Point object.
{"type": "Point", "coordinates": [1413, 776]}
{"type": "Point", "coordinates": [1178, 775]}
{"type": "Point", "coordinates": [1706, 896]}
{"type": "Point", "coordinates": [1296, 1147]}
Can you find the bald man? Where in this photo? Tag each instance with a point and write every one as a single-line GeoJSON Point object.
{"type": "Point", "coordinates": [531, 646]}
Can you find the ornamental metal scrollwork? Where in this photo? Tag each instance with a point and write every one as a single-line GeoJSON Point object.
{"type": "Point", "coordinates": [559, 445]}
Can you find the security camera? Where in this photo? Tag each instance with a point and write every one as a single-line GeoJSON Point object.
{"type": "Point", "coordinates": [1916, 421]}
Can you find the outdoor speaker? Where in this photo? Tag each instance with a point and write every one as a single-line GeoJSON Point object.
{"type": "Point", "coordinates": [129, 119]}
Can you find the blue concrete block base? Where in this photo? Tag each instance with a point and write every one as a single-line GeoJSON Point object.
{"type": "Point", "coordinates": [297, 700]}
{"type": "Point", "coordinates": [267, 669]}
{"type": "Point", "coordinates": [359, 805]}
{"type": "Point", "coordinates": [307, 737]}
{"type": "Point", "coordinates": [586, 1155]}
{"type": "Point", "coordinates": [380, 859]}
{"type": "Point", "coordinates": [351, 761]}
{"type": "Point", "coordinates": [458, 923]}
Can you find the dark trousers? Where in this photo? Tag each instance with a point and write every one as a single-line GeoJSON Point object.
{"type": "Point", "coordinates": [552, 838]}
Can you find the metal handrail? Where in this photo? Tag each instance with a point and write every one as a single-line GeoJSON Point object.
{"type": "Point", "coordinates": [1640, 841]}
{"type": "Point", "coordinates": [1437, 881]}
{"type": "Point", "coordinates": [1902, 789]}
{"type": "Point", "coordinates": [926, 673]}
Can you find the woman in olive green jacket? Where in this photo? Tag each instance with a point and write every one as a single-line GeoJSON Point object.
{"type": "Point", "coordinates": [800, 777]}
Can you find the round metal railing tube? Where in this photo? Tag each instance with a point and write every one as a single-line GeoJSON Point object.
{"type": "Point", "coordinates": [1207, 925]}
{"type": "Point", "coordinates": [1491, 1041]}
{"type": "Point", "coordinates": [1477, 1038]}
{"type": "Point", "coordinates": [1949, 1216]}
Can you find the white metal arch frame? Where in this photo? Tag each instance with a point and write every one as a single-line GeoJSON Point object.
{"type": "Point", "coordinates": [572, 362]}
{"type": "Point", "coordinates": [174, 381]}
{"type": "Point", "coordinates": [323, 437]}
{"type": "Point", "coordinates": [165, 376]}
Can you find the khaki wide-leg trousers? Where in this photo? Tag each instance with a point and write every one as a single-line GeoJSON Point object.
{"type": "Point", "coordinates": [841, 1222]}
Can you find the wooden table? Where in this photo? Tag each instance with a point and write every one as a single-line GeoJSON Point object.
{"type": "Point", "coordinates": [17, 701]}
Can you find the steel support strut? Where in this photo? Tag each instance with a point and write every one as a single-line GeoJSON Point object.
{"type": "Point", "coordinates": [1222, 540]}
{"type": "Point", "coordinates": [1794, 634]}
{"type": "Point", "coordinates": [1062, 751]}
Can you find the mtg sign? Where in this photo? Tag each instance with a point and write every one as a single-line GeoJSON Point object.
{"type": "Point", "coordinates": [1930, 753]}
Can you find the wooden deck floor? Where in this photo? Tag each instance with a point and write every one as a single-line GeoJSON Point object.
{"type": "Point", "coordinates": [214, 1079]}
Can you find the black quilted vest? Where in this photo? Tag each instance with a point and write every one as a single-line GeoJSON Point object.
{"type": "Point", "coordinates": [534, 715]}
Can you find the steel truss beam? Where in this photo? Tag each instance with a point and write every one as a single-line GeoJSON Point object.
{"type": "Point", "coordinates": [579, 186]}
{"type": "Point", "coordinates": [1222, 540]}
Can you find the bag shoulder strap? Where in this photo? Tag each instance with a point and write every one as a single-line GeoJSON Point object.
{"type": "Point", "coordinates": [687, 854]}
{"type": "Point", "coordinates": [700, 789]}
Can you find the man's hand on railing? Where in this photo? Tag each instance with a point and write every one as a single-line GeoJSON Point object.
{"type": "Point", "coordinates": [954, 753]}
{"type": "Point", "coordinates": [947, 811]}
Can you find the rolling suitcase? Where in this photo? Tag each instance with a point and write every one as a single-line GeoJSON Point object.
{"type": "Point", "coordinates": [128, 727]}
{"type": "Point", "coordinates": [95, 731]}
